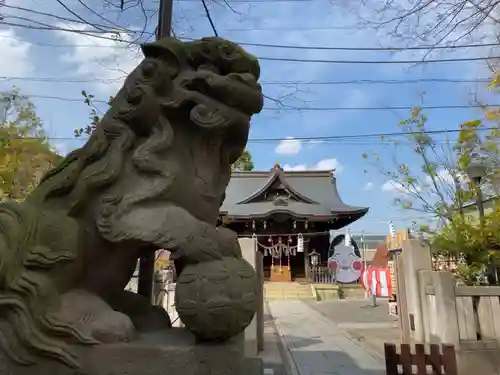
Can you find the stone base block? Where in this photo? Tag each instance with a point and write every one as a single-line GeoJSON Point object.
{"type": "Point", "coordinates": [252, 366]}
{"type": "Point", "coordinates": [170, 352]}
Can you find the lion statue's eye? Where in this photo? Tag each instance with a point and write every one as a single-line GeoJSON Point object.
{"type": "Point", "coordinates": [149, 69]}
{"type": "Point", "coordinates": [227, 50]}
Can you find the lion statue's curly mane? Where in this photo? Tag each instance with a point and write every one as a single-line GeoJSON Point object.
{"type": "Point", "coordinates": [184, 104]}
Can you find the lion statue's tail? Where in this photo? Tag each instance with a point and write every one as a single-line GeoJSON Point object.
{"type": "Point", "coordinates": [30, 250]}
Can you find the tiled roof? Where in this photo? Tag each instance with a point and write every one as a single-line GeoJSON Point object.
{"type": "Point", "coordinates": [317, 190]}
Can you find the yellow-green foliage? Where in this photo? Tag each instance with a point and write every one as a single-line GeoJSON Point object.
{"type": "Point", "coordinates": [25, 154]}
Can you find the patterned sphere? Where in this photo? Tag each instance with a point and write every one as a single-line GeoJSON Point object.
{"type": "Point", "coordinates": [217, 300]}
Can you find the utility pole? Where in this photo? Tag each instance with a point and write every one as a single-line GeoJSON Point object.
{"type": "Point", "coordinates": [165, 19]}
{"type": "Point", "coordinates": [146, 280]}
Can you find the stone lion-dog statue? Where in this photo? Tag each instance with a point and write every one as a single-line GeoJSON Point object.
{"type": "Point", "coordinates": [151, 176]}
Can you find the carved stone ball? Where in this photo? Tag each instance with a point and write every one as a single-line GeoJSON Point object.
{"type": "Point", "coordinates": [217, 300]}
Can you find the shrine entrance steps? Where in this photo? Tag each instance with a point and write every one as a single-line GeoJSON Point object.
{"type": "Point", "coordinates": [287, 291]}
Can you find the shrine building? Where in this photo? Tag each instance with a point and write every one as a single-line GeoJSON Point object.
{"type": "Point", "coordinates": [290, 213]}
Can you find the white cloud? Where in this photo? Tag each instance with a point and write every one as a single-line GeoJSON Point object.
{"type": "Point", "coordinates": [390, 186]}
{"type": "Point", "coordinates": [298, 167]}
{"type": "Point", "coordinates": [323, 165]}
{"type": "Point", "coordinates": [62, 148]}
{"type": "Point", "coordinates": [368, 186]}
{"type": "Point", "coordinates": [443, 176]}
{"type": "Point", "coordinates": [393, 186]}
{"type": "Point", "coordinates": [329, 165]}
{"type": "Point", "coordinates": [289, 146]}
{"type": "Point", "coordinates": [16, 55]}
{"type": "Point", "coordinates": [101, 58]}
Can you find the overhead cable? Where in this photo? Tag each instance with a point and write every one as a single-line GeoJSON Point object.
{"type": "Point", "coordinates": [266, 82]}
{"type": "Point", "coordinates": [298, 109]}
{"type": "Point", "coordinates": [328, 48]}
{"type": "Point", "coordinates": [371, 136]}
{"type": "Point", "coordinates": [118, 39]}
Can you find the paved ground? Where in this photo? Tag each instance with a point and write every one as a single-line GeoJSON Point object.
{"type": "Point", "coordinates": [273, 354]}
{"type": "Point", "coordinates": [317, 346]}
{"type": "Point", "coordinates": [369, 326]}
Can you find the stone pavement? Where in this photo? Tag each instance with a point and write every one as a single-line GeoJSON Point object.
{"type": "Point", "coordinates": [317, 346]}
{"type": "Point", "coordinates": [273, 353]}
{"type": "Point", "coordinates": [369, 326]}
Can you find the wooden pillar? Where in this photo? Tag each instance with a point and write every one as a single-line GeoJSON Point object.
{"type": "Point", "coordinates": [146, 275]}
{"type": "Point", "coordinates": [306, 259]}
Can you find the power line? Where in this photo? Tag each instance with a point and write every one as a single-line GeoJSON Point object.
{"type": "Point", "coordinates": [379, 81]}
{"type": "Point", "coordinates": [100, 28]}
{"type": "Point", "coordinates": [260, 1]}
{"type": "Point", "coordinates": [337, 142]}
{"type": "Point", "coordinates": [388, 108]}
{"type": "Point", "coordinates": [266, 58]}
{"type": "Point", "coordinates": [327, 48]}
{"type": "Point", "coordinates": [61, 3]}
{"type": "Point", "coordinates": [325, 61]}
{"type": "Point", "coordinates": [61, 80]}
{"type": "Point", "coordinates": [71, 45]}
{"type": "Point", "coordinates": [292, 108]}
{"type": "Point", "coordinates": [365, 136]}
{"type": "Point", "coordinates": [209, 17]}
{"type": "Point", "coordinates": [295, 29]}
{"type": "Point", "coordinates": [372, 136]}
{"type": "Point", "coordinates": [333, 82]}
{"type": "Point", "coordinates": [89, 33]}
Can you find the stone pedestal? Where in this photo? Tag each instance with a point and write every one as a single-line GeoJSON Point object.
{"type": "Point", "coordinates": [171, 352]}
{"type": "Point", "coordinates": [249, 251]}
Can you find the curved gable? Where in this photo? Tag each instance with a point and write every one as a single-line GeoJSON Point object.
{"type": "Point", "coordinates": [276, 176]}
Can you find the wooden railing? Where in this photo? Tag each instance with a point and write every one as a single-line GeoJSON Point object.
{"type": "Point", "coordinates": [321, 275]}
{"type": "Point", "coordinates": [405, 362]}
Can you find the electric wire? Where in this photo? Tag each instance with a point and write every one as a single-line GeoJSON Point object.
{"type": "Point", "coordinates": [264, 82]}
{"type": "Point", "coordinates": [368, 136]}
{"type": "Point", "coordinates": [389, 49]}
{"type": "Point", "coordinates": [301, 109]}
{"type": "Point", "coordinates": [117, 38]}
{"type": "Point", "coordinates": [209, 17]}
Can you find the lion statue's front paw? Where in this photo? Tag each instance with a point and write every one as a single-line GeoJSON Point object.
{"type": "Point", "coordinates": [94, 318]}
{"type": "Point", "coordinates": [229, 245]}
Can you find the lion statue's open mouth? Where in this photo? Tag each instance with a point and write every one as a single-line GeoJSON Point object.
{"type": "Point", "coordinates": [220, 78]}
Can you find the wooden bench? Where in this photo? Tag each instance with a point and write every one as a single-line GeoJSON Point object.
{"type": "Point", "coordinates": [420, 362]}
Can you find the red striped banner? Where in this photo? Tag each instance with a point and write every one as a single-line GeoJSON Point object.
{"type": "Point", "coordinates": [377, 281]}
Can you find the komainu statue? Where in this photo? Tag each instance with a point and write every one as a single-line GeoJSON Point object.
{"type": "Point", "coordinates": [153, 175]}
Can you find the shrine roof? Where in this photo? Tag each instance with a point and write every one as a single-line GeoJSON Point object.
{"type": "Point", "coordinates": [315, 193]}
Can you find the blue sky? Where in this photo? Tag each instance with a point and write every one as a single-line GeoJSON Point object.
{"type": "Point", "coordinates": [73, 62]}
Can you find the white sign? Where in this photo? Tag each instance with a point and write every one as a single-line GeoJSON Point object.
{"type": "Point", "coordinates": [300, 244]}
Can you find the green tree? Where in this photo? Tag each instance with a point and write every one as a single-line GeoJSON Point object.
{"type": "Point", "coordinates": [25, 153]}
{"type": "Point", "coordinates": [431, 181]}
{"type": "Point", "coordinates": [437, 185]}
{"type": "Point", "coordinates": [244, 162]}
